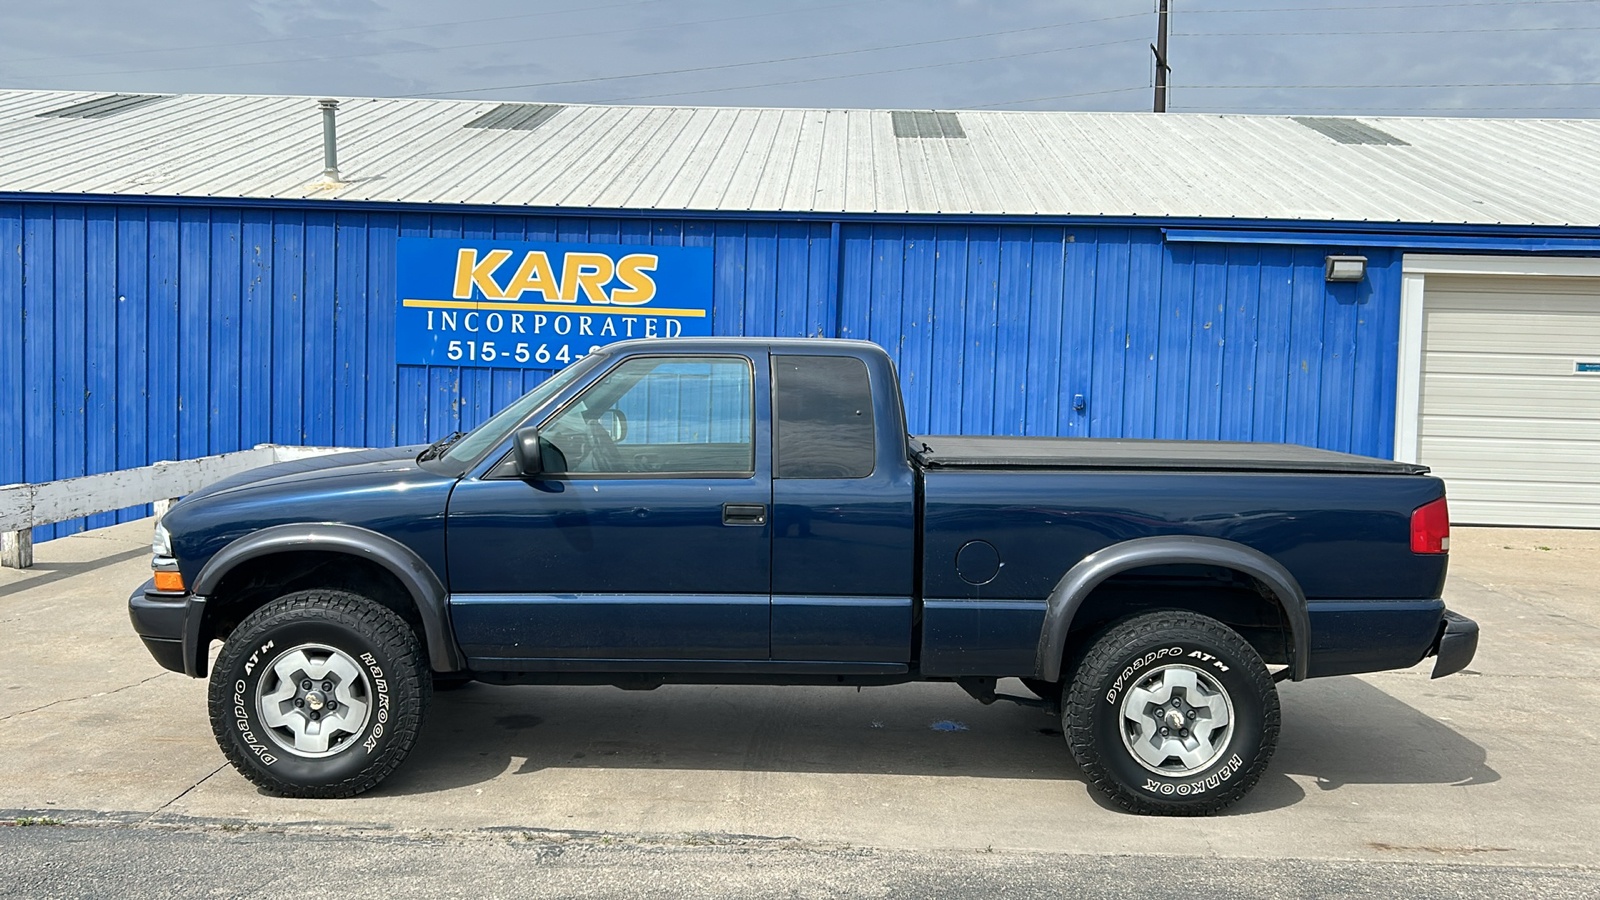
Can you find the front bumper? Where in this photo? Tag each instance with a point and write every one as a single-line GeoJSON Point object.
{"type": "Point", "coordinates": [169, 625]}
{"type": "Point", "coordinates": [1456, 644]}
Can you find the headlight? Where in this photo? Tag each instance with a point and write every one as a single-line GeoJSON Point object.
{"type": "Point", "coordinates": [161, 543]}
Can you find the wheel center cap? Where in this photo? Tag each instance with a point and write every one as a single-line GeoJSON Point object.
{"type": "Point", "coordinates": [1174, 719]}
{"type": "Point", "coordinates": [314, 701]}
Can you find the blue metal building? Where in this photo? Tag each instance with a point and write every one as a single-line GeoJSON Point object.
{"type": "Point", "coordinates": [179, 278]}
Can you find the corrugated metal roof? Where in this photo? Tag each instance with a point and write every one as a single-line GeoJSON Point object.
{"type": "Point", "coordinates": [1424, 170]}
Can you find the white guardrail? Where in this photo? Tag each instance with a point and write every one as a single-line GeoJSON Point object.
{"type": "Point", "coordinates": [22, 506]}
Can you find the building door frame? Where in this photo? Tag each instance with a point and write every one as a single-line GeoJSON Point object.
{"type": "Point", "coordinates": [1415, 269]}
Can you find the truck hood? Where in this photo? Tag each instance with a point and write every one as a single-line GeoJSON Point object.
{"type": "Point", "coordinates": [303, 472]}
{"type": "Point", "coordinates": [379, 490]}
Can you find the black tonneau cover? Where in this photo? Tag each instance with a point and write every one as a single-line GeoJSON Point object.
{"type": "Point", "coordinates": [960, 452]}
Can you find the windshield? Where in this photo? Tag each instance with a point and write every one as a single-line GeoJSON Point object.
{"type": "Point", "coordinates": [467, 449]}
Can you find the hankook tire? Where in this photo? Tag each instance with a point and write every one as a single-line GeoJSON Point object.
{"type": "Point", "coordinates": [319, 693]}
{"type": "Point", "coordinates": [1171, 713]}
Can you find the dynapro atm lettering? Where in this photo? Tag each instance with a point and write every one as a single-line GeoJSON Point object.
{"type": "Point", "coordinates": [542, 306]}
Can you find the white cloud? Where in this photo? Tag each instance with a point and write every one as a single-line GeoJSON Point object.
{"type": "Point", "coordinates": [483, 48]}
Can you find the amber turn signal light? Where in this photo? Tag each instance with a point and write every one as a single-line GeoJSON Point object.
{"type": "Point", "coordinates": [169, 581]}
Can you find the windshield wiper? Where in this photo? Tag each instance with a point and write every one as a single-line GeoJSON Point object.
{"type": "Point", "coordinates": [437, 448]}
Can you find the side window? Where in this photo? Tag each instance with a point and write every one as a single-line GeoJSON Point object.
{"type": "Point", "coordinates": [823, 427]}
{"type": "Point", "coordinates": [649, 415]}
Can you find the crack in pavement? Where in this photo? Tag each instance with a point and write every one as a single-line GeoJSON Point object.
{"type": "Point", "coordinates": [119, 690]}
{"type": "Point", "coordinates": [1423, 676]}
{"type": "Point", "coordinates": [1510, 592]}
{"type": "Point", "coordinates": [1545, 676]}
{"type": "Point", "coordinates": [185, 792]}
{"type": "Point", "coordinates": [90, 535]}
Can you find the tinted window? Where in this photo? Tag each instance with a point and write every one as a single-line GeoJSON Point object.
{"type": "Point", "coordinates": [823, 426]}
{"type": "Point", "coordinates": [658, 415]}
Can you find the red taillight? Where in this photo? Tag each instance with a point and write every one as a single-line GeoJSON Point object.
{"type": "Point", "coordinates": [1430, 528]}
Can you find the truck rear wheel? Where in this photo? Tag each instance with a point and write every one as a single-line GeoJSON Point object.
{"type": "Point", "coordinates": [319, 693]}
{"type": "Point", "coordinates": [1171, 713]}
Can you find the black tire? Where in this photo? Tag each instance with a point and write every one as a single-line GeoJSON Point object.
{"type": "Point", "coordinates": [1111, 711]}
{"type": "Point", "coordinates": [372, 693]}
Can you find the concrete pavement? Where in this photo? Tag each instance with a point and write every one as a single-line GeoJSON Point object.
{"type": "Point", "coordinates": [1490, 766]}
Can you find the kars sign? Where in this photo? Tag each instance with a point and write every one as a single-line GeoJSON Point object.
{"type": "Point", "coordinates": [542, 306]}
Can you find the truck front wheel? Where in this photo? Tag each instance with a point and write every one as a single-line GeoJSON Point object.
{"type": "Point", "coordinates": [1171, 713]}
{"type": "Point", "coordinates": [319, 693]}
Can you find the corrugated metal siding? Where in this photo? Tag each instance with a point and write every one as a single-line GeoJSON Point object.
{"type": "Point", "coordinates": [133, 333]}
{"type": "Point", "coordinates": [996, 330]}
{"type": "Point", "coordinates": [664, 160]}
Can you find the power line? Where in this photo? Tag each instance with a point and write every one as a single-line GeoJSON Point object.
{"type": "Point", "coordinates": [959, 62]}
{"type": "Point", "coordinates": [1370, 109]}
{"type": "Point", "coordinates": [1388, 31]}
{"type": "Point", "coordinates": [1121, 90]}
{"type": "Point", "coordinates": [321, 36]}
{"type": "Point", "coordinates": [1336, 87]}
{"type": "Point", "coordinates": [1270, 9]}
{"type": "Point", "coordinates": [768, 62]}
{"type": "Point", "coordinates": [473, 45]}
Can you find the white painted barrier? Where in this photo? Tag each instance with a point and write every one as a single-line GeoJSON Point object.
{"type": "Point", "coordinates": [22, 506]}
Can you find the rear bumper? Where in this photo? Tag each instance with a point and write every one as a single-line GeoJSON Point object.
{"type": "Point", "coordinates": [1456, 644]}
{"type": "Point", "coordinates": [1353, 636]}
{"type": "Point", "coordinates": [169, 625]}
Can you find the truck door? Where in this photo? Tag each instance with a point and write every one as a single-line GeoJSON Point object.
{"type": "Point", "coordinates": [649, 536]}
{"type": "Point", "coordinates": [843, 496]}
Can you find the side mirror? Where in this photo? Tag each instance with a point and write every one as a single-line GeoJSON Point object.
{"type": "Point", "coordinates": [525, 447]}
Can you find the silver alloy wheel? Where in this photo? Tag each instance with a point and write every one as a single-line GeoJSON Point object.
{"type": "Point", "coordinates": [1177, 720]}
{"type": "Point", "coordinates": [314, 700]}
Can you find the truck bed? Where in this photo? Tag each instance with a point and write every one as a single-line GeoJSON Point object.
{"type": "Point", "coordinates": [1065, 454]}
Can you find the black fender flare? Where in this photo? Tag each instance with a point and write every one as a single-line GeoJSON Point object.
{"type": "Point", "coordinates": [427, 591]}
{"type": "Point", "coordinates": [1083, 578]}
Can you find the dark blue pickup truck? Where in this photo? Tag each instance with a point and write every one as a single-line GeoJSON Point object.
{"type": "Point", "coordinates": [753, 511]}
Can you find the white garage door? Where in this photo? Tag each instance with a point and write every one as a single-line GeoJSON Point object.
{"type": "Point", "coordinates": [1511, 397]}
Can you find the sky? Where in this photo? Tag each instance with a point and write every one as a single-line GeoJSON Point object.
{"type": "Point", "coordinates": [1324, 57]}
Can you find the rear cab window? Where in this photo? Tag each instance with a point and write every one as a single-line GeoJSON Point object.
{"type": "Point", "coordinates": [822, 422]}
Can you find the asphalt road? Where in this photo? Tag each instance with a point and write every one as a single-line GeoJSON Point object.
{"type": "Point", "coordinates": [1390, 784]}
{"type": "Point", "coordinates": [128, 862]}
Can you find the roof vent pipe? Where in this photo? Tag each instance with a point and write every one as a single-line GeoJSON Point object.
{"type": "Point", "coordinates": [330, 141]}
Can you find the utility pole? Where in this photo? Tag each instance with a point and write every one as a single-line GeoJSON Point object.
{"type": "Point", "coordinates": [1159, 48]}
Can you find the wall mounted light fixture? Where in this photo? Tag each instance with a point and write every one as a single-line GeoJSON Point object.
{"type": "Point", "coordinates": [1345, 268]}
